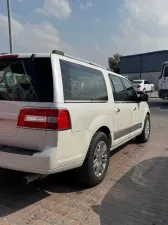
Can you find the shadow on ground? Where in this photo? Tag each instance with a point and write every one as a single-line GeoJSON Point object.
{"type": "Point", "coordinates": [140, 197]}
{"type": "Point", "coordinates": [14, 196]}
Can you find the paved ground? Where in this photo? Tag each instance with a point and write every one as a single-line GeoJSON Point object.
{"type": "Point", "coordinates": [153, 94]}
{"type": "Point", "coordinates": [133, 193]}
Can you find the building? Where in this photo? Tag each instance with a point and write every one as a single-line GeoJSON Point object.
{"type": "Point", "coordinates": [143, 66]}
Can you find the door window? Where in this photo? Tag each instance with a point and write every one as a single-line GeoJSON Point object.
{"type": "Point", "coordinates": [119, 91]}
{"type": "Point", "coordinates": [131, 93]}
{"type": "Point", "coordinates": [165, 71]}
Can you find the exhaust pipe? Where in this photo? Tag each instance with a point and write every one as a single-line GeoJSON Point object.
{"type": "Point", "coordinates": [32, 177]}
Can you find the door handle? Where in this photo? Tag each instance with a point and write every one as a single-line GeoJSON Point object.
{"type": "Point", "coordinates": [117, 110]}
{"type": "Point", "coordinates": [134, 108]}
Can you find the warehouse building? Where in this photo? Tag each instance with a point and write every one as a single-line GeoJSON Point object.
{"type": "Point", "coordinates": [143, 66]}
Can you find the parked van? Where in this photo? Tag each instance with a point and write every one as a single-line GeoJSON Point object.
{"type": "Point", "coordinates": [59, 113]}
{"type": "Point", "coordinates": [163, 82]}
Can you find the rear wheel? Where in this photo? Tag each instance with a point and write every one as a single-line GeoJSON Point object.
{"type": "Point", "coordinates": [96, 163]}
{"type": "Point", "coordinates": [144, 136]}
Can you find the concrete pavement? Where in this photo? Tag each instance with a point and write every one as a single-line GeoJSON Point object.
{"type": "Point", "coordinates": [133, 193]}
{"type": "Point", "coordinates": [153, 94]}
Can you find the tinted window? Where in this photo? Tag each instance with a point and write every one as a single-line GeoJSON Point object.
{"type": "Point", "coordinates": [82, 83]}
{"type": "Point", "coordinates": [165, 71]}
{"type": "Point", "coordinates": [146, 82]}
{"type": "Point", "coordinates": [136, 82]}
{"type": "Point", "coordinates": [24, 80]}
{"type": "Point", "coordinates": [131, 93]}
{"type": "Point", "coordinates": [119, 91]}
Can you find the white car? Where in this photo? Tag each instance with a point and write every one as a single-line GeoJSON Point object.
{"type": "Point", "coordinates": [59, 113]}
{"type": "Point", "coordinates": [143, 86]}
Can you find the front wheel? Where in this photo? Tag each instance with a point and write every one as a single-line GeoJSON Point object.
{"type": "Point", "coordinates": [96, 162]}
{"type": "Point", "coordinates": [145, 135]}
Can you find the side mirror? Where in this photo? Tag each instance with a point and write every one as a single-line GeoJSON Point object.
{"type": "Point", "coordinates": [143, 97]}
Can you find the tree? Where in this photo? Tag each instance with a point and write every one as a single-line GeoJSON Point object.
{"type": "Point", "coordinates": [114, 63]}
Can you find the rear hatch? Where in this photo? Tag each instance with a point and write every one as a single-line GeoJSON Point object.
{"type": "Point", "coordinates": [136, 84]}
{"type": "Point", "coordinates": [25, 82]}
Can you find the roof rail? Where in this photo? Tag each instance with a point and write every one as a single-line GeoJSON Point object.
{"type": "Point", "coordinates": [58, 52]}
{"type": "Point", "coordinates": [85, 61]}
{"type": "Point", "coordinates": [3, 53]}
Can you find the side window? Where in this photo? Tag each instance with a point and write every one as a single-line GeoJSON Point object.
{"type": "Point", "coordinates": [146, 82]}
{"type": "Point", "coordinates": [131, 93]}
{"type": "Point", "coordinates": [81, 83]}
{"type": "Point", "coordinates": [119, 91]}
{"type": "Point", "coordinates": [165, 71]}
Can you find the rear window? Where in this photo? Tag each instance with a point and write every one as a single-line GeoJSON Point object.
{"type": "Point", "coordinates": [81, 83]}
{"type": "Point", "coordinates": [22, 79]}
{"type": "Point", "coordinates": [136, 82]}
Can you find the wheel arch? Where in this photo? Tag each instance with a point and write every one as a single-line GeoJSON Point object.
{"type": "Point", "coordinates": [106, 130]}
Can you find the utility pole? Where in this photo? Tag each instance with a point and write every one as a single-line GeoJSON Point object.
{"type": "Point", "coordinates": [9, 26]}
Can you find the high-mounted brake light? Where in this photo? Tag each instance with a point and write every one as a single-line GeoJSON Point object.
{"type": "Point", "coordinates": [50, 119]}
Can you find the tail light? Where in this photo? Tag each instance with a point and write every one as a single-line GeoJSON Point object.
{"type": "Point", "coordinates": [139, 86]}
{"type": "Point", "coordinates": [52, 119]}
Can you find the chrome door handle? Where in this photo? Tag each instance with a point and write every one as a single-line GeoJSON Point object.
{"type": "Point", "coordinates": [134, 108]}
{"type": "Point", "coordinates": [117, 110]}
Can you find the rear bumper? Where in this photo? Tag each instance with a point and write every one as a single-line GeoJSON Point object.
{"type": "Point", "coordinates": [39, 163]}
{"type": "Point", "coordinates": [63, 151]}
{"type": "Point", "coordinates": [138, 90]}
{"type": "Point", "coordinates": [163, 93]}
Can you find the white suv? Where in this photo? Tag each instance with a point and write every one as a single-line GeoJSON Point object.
{"type": "Point", "coordinates": [59, 113]}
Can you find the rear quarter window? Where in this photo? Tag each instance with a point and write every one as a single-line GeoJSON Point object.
{"type": "Point", "coordinates": [81, 83]}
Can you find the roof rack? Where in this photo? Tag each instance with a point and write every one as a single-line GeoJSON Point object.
{"type": "Point", "coordinates": [72, 57]}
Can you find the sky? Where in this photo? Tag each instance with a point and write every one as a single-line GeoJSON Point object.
{"type": "Point", "coordinates": [90, 29]}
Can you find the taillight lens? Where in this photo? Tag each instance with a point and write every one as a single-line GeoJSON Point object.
{"type": "Point", "coordinates": [52, 119]}
{"type": "Point", "coordinates": [138, 86]}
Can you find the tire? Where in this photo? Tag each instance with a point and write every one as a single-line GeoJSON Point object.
{"type": "Point", "coordinates": [87, 172]}
{"type": "Point", "coordinates": [144, 137]}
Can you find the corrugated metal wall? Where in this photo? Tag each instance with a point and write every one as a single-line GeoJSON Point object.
{"type": "Point", "coordinates": [130, 64]}
{"type": "Point", "coordinates": [142, 63]}
{"type": "Point", "coordinates": [143, 66]}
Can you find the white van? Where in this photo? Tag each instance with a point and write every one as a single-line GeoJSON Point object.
{"type": "Point", "coordinates": [59, 113]}
{"type": "Point", "coordinates": [163, 82]}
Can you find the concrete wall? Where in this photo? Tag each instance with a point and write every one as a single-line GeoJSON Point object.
{"type": "Point", "coordinates": [153, 77]}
